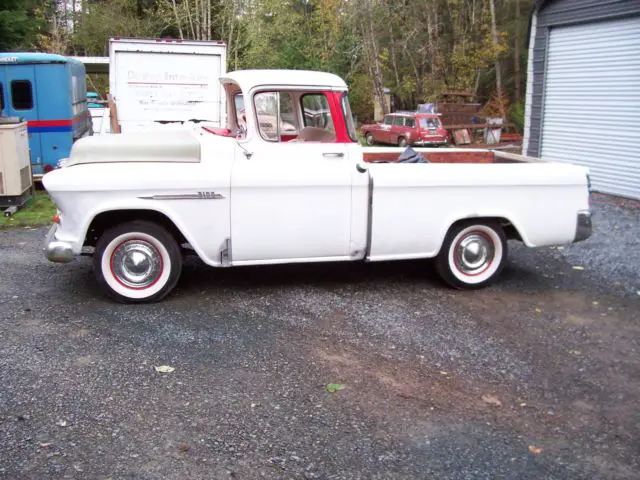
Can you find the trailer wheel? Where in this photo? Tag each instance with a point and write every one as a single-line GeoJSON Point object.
{"type": "Point", "coordinates": [472, 255]}
{"type": "Point", "coordinates": [137, 262]}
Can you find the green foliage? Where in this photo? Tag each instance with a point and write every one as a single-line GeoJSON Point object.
{"type": "Point", "coordinates": [334, 387]}
{"type": "Point", "coordinates": [516, 113]}
{"type": "Point", "coordinates": [38, 211]}
{"type": "Point", "coordinates": [20, 23]}
{"type": "Point", "coordinates": [124, 18]}
{"type": "Point", "coordinates": [416, 49]}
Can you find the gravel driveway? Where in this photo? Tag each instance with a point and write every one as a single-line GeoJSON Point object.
{"type": "Point", "coordinates": [536, 377]}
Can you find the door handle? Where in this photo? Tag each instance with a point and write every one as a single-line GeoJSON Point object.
{"type": "Point", "coordinates": [333, 154]}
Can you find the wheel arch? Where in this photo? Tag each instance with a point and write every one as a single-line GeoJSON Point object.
{"type": "Point", "coordinates": [106, 219]}
{"type": "Point", "coordinates": [511, 230]}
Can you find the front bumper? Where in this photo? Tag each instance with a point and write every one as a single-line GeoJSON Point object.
{"type": "Point", "coordinates": [583, 226]}
{"type": "Point", "coordinates": [55, 250]}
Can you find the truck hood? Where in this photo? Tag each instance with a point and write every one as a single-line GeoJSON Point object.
{"type": "Point", "coordinates": [161, 146]}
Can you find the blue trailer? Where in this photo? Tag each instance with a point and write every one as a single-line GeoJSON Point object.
{"type": "Point", "coordinates": [49, 91]}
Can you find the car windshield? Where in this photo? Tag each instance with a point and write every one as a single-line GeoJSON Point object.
{"type": "Point", "coordinates": [429, 123]}
{"type": "Point", "coordinates": [346, 111]}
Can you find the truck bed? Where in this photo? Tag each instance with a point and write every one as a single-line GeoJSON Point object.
{"type": "Point", "coordinates": [447, 155]}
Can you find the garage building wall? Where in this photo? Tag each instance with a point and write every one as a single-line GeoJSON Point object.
{"type": "Point", "coordinates": [552, 13]}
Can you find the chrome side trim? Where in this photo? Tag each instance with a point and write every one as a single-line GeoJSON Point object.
{"type": "Point", "coordinates": [185, 196]}
{"type": "Point", "coordinates": [584, 226]}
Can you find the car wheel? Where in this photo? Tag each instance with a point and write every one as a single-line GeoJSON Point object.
{"type": "Point", "coordinates": [402, 142]}
{"type": "Point", "coordinates": [137, 262]}
{"type": "Point", "coordinates": [369, 139]}
{"type": "Point", "coordinates": [472, 254]}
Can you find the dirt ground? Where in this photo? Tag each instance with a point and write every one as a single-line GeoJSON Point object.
{"type": "Point", "coordinates": [536, 377]}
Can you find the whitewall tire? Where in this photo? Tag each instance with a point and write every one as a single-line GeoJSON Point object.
{"type": "Point", "coordinates": [137, 262]}
{"type": "Point", "coordinates": [472, 254]}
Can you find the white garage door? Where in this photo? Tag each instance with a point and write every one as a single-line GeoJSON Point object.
{"type": "Point", "coordinates": [591, 112]}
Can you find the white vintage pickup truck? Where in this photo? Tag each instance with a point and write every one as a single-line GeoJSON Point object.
{"type": "Point", "coordinates": [286, 181]}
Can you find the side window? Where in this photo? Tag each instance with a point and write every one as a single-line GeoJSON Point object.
{"type": "Point", "coordinates": [21, 95]}
{"type": "Point", "coordinates": [410, 122]}
{"type": "Point", "coordinates": [275, 114]}
{"type": "Point", "coordinates": [316, 112]}
{"type": "Point", "coordinates": [266, 104]}
{"type": "Point", "coordinates": [388, 120]}
{"type": "Point", "coordinates": [241, 120]}
{"type": "Point", "coordinates": [288, 123]}
{"type": "Point", "coordinates": [398, 121]}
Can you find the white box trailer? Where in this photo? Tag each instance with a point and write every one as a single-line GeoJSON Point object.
{"type": "Point", "coordinates": [166, 82]}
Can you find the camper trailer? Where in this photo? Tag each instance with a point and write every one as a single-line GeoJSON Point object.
{"type": "Point", "coordinates": [49, 92]}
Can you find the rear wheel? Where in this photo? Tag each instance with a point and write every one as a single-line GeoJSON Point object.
{"type": "Point", "coordinates": [369, 139]}
{"type": "Point", "coordinates": [402, 142]}
{"type": "Point", "coordinates": [137, 262]}
{"type": "Point", "coordinates": [472, 254]}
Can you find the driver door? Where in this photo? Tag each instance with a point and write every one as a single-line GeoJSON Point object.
{"type": "Point", "coordinates": [290, 200]}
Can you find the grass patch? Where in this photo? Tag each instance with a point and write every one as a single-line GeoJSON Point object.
{"type": "Point", "coordinates": [38, 211]}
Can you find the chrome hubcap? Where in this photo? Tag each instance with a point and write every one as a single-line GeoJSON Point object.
{"type": "Point", "coordinates": [136, 263]}
{"type": "Point", "coordinates": [474, 253]}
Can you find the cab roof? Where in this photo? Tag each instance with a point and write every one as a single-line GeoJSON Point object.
{"type": "Point", "coordinates": [14, 58]}
{"type": "Point", "coordinates": [248, 79]}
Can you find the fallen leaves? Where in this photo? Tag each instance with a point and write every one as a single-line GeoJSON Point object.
{"type": "Point", "coordinates": [183, 447]}
{"type": "Point", "coordinates": [164, 369]}
{"type": "Point", "coordinates": [334, 387]}
{"type": "Point", "coordinates": [575, 352]}
{"type": "Point", "coordinates": [535, 450]}
{"type": "Point", "coordinates": [538, 310]}
{"type": "Point", "coordinates": [491, 400]}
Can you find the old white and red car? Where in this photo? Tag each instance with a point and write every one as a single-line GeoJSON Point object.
{"type": "Point", "coordinates": [407, 128]}
{"type": "Point", "coordinates": [285, 182]}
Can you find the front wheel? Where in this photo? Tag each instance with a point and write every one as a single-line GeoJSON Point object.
{"type": "Point", "coordinates": [472, 254]}
{"type": "Point", "coordinates": [137, 262]}
{"type": "Point", "coordinates": [402, 142]}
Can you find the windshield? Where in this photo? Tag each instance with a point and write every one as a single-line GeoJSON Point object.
{"type": "Point", "coordinates": [348, 116]}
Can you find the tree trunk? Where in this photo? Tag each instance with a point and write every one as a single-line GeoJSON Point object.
{"type": "Point", "coordinates": [374, 60]}
{"type": "Point", "coordinates": [196, 16]}
{"type": "Point", "coordinates": [494, 34]}
{"type": "Point", "coordinates": [517, 53]}
{"type": "Point", "coordinates": [392, 42]}
{"type": "Point", "coordinates": [178, 22]}
{"type": "Point", "coordinates": [209, 33]}
{"type": "Point", "coordinates": [190, 17]}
